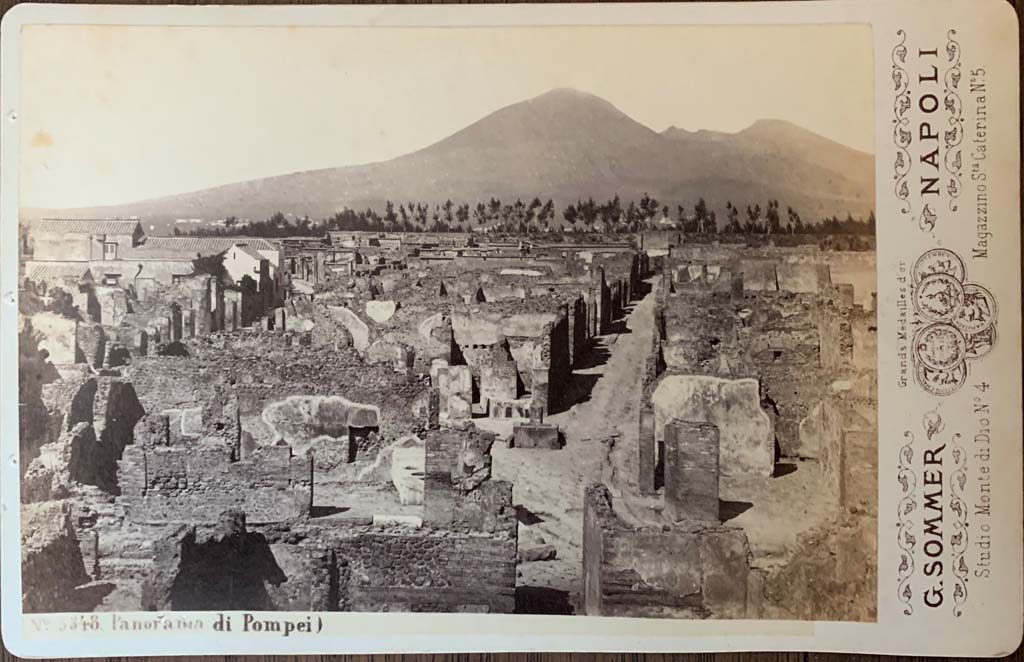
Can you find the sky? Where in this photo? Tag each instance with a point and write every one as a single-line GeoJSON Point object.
{"type": "Point", "coordinates": [114, 114]}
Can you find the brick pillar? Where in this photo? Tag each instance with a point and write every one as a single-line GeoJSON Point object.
{"type": "Point", "coordinates": [433, 409]}
{"type": "Point", "coordinates": [691, 471]}
{"type": "Point", "coordinates": [203, 310]}
{"type": "Point", "coordinates": [648, 451]}
{"type": "Point", "coordinates": [536, 413]}
{"type": "Point", "coordinates": [541, 395]}
{"type": "Point", "coordinates": [141, 343]}
{"type": "Point", "coordinates": [176, 322]}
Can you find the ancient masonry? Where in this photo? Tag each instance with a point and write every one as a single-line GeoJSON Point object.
{"type": "Point", "coordinates": [336, 431]}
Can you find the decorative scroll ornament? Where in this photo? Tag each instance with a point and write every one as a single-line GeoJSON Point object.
{"type": "Point", "coordinates": [901, 134]}
{"type": "Point", "coordinates": [958, 541]}
{"type": "Point", "coordinates": [904, 536]}
{"type": "Point", "coordinates": [953, 158]}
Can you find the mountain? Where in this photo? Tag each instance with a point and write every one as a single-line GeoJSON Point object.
{"type": "Point", "coordinates": [563, 145]}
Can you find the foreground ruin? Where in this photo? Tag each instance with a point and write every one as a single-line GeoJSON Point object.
{"type": "Point", "coordinates": [602, 429]}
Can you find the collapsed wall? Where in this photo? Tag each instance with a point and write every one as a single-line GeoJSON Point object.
{"type": "Point", "coordinates": [833, 572]}
{"type": "Point", "coordinates": [95, 431]}
{"type": "Point", "coordinates": [194, 479]}
{"type": "Point", "coordinates": [51, 561]}
{"type": "Point", "coordinates": [461, 558]}
{"type": "Point", "coordinates": [518, 354]}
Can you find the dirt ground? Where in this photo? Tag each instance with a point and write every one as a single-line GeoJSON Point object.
{"type": "Point", "coordinates": [600, 430]}
{"type": "Point", "coordinates": [601, 445]}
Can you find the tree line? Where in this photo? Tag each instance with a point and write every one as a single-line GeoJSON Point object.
{"type": "Point", "coordinates": [610, 216]}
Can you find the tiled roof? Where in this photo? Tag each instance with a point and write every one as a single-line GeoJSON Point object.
{"type": "Point", "coordinates": [182, 247]}
{"type": "Point", "coordinates": [53, 271]}
{"type": "Point", "coordinates": [84, 226]}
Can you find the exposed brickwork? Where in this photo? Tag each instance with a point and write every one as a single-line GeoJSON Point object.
{"type": "Point", "coordinates": [691, 471]}
{"type": "Point", "coordinates": [196, 482]}
{"type": "Point", "coordinates": [688, 571]}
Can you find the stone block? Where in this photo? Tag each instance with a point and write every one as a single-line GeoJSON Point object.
{"type": "Point", "coordinates": [407, 473]}
{"type": "Point", "coordinates": [381, 311]}
{"type": "Point", "coordinates": [499, 380]}
{"type": "Point", "coordinates": [746, 432]}
{"type": "Point", "coordinates": [433, 409]}
{"type": "Point", "coordinates": [459, 408]}
{"type": "Point", "coordinates": [536, 435]}
{"type": "Point", "coordinates": [455, 380]}
{"type": "Point", "coordinates": [759, 277]}
{"type": "Point", "coordinates": [113, 302]}
{"type": "Point", "coordinates": [691, 471]}
{"type": "Point", "coordinates": [859, 481]}
{"type": "Point", "coordinates": [141, 342]}
{"type": "Point", "coordinates": [799, 277]}
{"type": "Point", "coordinates": [723, 556]}
{"type": "Point", "coordinates": [92, 344]}
{"type": "Point", "coordinates": [192, 421]}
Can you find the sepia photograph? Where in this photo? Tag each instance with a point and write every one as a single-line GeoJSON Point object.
{"type": "Point", "coordinates": [568, 320]}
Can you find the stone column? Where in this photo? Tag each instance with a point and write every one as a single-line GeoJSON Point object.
{"type": "Point", "coordinates": [691, 471]}
{"type": "Point", "coordinates": [433, 409]}
{"type": "Point", "coordinates": [536, 413]}
{"type": "Point", "coordinates": [141, 342]}
{"type": "Point", "coordinates": [648, 452]}
{"type": "Point", "coordinates": [540, 390]}
{"type": "Point", "coordinates": [279, 319]}
{"type": "Point", "coordinates": [203, 315]}
{"type": "Point", "coordinates": [176, 322]}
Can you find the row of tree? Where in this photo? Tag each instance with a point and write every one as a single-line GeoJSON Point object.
{"type": "Point", "coordinates": [588, 215]}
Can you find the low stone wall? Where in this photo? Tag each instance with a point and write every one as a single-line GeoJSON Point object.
{"type": "Point", "coordinates": [680, 571]}
{"type": "Point", "coordinates": [425, 570]}
{"type": "Point", "coordinates": [833, 574]}
{"type": "Point", "coordinates": [196, 482]}
{"type": "Point", "coordinates": [338, 568]}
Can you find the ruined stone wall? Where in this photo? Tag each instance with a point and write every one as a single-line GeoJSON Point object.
{"type": "Point", "coordinates": [51, 561]}
{"type": "Point", "coordinates": [261, 368]}
{"type": "Point", "coordinates": [788, 395]}
{"type": "Point", "coordinates": [702, 334]}
{"type": "Point", "coordinates": [427, 571]}
{"type": "Point", "coordinates": [93, 436]}
{"type": "Point", "coordinates": [537, 335]}
{"type": "Point", "coordinates": [458, 491]}
{"type": "Point", "coordinates": [196, 482]}
{"type": "Point", "coordinates": [747, 435]}
{"type": "Point", "coordinates": [680, 571]}
{"type": "Point", "coordinates": [358, 568]}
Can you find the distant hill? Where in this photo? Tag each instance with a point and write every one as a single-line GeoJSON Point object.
{"type": "Point", "coordinates": [563, 145]}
